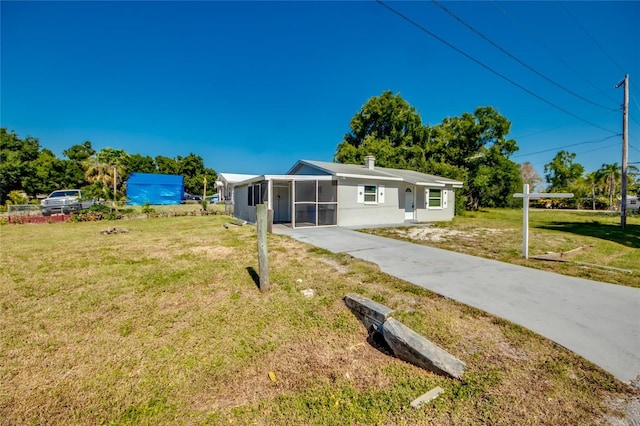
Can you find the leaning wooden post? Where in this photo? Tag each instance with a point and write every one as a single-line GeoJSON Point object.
{"type": "Point", "coordinates": [263, 258]}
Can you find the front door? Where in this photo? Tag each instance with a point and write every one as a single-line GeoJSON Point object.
{"type": "Point", "coordinates": [281, 203]}
{"type": "Point", "coordinates": [408, 204]}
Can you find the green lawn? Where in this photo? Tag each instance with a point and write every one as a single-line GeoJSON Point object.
{"type": "Point", "coordinates": [497, 234]}
{"type": "Point", "coordinates": [163, 325]}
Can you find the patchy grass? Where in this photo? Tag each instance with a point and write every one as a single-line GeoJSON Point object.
{"type": "Point", "coordinates": [497, 234]}
{"type": "Point", "coordinates": [164, 325]}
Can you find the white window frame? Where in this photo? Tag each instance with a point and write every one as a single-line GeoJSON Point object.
{"type": "Point", "coordinates": [442, 198]}
{"type": "Point", "coordinates": [378, 193]}
{"type": "Point", "coordinates": [373, 193]}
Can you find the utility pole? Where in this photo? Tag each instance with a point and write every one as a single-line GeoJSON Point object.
{"type": "Point", "coordinates": [625, 144]}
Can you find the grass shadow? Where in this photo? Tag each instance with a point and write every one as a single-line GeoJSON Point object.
{"type": "Point", "coordinates": [630, 236]}
{"type": "Point", "coordinates": [254, 276]}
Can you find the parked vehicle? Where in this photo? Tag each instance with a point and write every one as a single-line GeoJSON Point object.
{"type": "Point", "coordinates": [64, 201]}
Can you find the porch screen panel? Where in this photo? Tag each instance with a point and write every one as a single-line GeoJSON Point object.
{"type": "Point", "coordinates": [306, 191]}
{"type": "Point", "coordinates": [327, 191]}
{"type": "Point", "coordinates": [327, 214]}
{"type": "Point", "coordinates": [305, 214]}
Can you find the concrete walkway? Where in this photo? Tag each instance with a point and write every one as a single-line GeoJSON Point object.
{"type": "Point", "coordinates": [598, 321]}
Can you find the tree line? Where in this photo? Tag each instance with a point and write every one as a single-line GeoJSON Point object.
{"type": "Point", "coordinates": [599, 189]}
{"type": "Point", "coordinates": [26, 167]}
{"type": "Point", "coordinates": [472, 148]}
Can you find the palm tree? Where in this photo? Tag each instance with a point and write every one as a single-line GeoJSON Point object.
{"type": "Point", "coordinates": [611, 174]}
{"type": "Point", "coordinates": [592, 179]}
{"type": "Point", "coordinates": [103, 177]}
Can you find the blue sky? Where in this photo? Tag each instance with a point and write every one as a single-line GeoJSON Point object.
{"type": "Point", "coordinates": [252, 87]}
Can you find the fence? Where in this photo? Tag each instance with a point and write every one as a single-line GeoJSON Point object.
{"type": "Point", "coordinates": [24, 210]}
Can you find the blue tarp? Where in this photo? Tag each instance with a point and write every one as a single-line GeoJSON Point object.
{"type": "Point", "coordinates": [154, 189]}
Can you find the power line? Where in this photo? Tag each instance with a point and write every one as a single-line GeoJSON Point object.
{"type": "Point", "coordinates": [591, 37]}
{"type": "Point", "coordinates": [568, 146]}
{"type": "Point", "coordinates": [540, 131]}
{"type": "Point", "coordinates": [598, 149]}
{"type": "Point", "coordinates": [488, 68]}
{"type": "Point", "coordinates": [555, 55]}
{"type": "Point", "coordinates": [635, 100]}
{"type": "Point", "coordinates": [518, 60]}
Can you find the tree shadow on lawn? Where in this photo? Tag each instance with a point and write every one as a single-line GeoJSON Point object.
{"type": "Point", "coordinates": [630, 236]}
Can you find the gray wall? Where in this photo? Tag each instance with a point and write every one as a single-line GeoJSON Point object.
{"type": "Point", "coordinates": [436, 215]}
{"type": "Point", "coordinates": [391, 211]}
{"type": "Point", "coordinates": [351, 213]}
{"type": "Point", "coordinates": [240, 208]}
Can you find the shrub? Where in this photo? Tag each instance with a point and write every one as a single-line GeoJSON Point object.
{"type": "Point", "coordinates": [147, 209]}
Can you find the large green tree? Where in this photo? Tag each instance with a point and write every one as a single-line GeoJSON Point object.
{"type": "Point", "coordinates": [48, 173]}
{"type": "Point", "coordinates": [388, 128]}
{"type": "Point", "coordinates": [472, 148]}
{"type": "Point", "coordinates": [562, 173]}
{"type": "Point", "coordinates": [194, 172]}
{"type": "Point", "coordinates": [16, 157]}
{"type": "Point", "coordinates": [78, 155]}
{"type": "Point", "coordinates": [136, 163]}
{"type": "Point", "coordinates": [476, 145]}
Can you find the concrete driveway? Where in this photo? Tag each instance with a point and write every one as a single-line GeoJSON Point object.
{"type": "Point", "coordinates": [598, 321]}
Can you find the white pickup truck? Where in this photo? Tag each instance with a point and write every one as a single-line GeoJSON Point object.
{"type": "Point", "coordinates": [64, 201]}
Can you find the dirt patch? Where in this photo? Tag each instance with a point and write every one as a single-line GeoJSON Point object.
{"type": "Point", "coordinates": [338, 267]}
{"type": "Point", "coordinates": [430, 233]}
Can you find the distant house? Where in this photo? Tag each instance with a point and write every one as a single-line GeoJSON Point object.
{"type": "Point", "coordinates": [315, 193]}
{"type": "Point", "coordinates": [155, 189]}
{"type": "Point", "coordinates": [226, 183]}
{"type": "Point", "coordinates": [632, 202]}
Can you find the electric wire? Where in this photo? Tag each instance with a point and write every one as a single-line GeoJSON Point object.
{"type": "Point", "coordinates": [518, 60]}
{"type": "Point", "coordinates": [590, 36]}
{"type": "Point", "coordinates": [552, 53]}
{"type": "Point", "coordinates": [488, 68]}
{"type": "Point", "coordinates": [540, 131]}
{"type": "Point", "coordinates": [597, 149]}
{"type": "Point", "coordinates": [600, 140]}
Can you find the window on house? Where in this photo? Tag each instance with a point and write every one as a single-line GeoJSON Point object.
{"type": "Point", "coordinates": [370, 194]}
{"type": "Point", "coordinates": [254, 195]}
{"type": "Point", "coordinates": [434, 198]}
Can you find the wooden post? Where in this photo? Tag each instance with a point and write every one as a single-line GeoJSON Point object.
{"type": "Point", "coordinates": [263, 258]}
{"type": "Point", "coordinates": [204, 193]}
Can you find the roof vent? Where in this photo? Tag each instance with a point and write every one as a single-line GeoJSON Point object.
{"type": "Point", "coordinates": [369, 162]}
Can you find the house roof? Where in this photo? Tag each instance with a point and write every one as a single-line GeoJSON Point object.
{"type": "Point", "coordinates": [380, 173]}
{"type": "Point", "coordinates": [234, 177]}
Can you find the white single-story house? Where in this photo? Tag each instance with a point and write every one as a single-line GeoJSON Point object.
{"type": "Point", "coordinates": [226, 182]}
{"type": "Point", "coordinates": [315, 193]}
